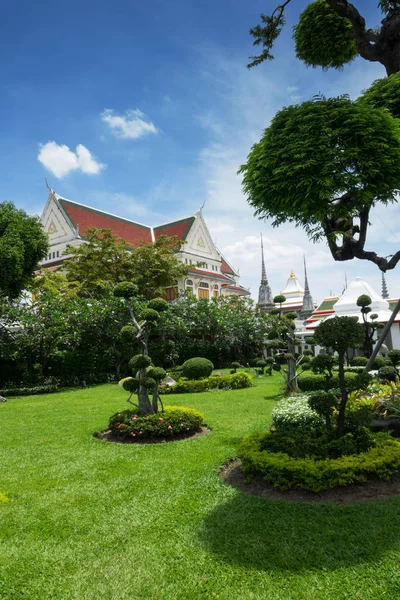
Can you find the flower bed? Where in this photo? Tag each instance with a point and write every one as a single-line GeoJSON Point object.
{"type": "Point", "coordinates": [174, 421]}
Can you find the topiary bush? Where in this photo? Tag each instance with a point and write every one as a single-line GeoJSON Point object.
{"type": "Point", "coordinates": [378, 363]}
{"type": "Point", "coordinates": [394, 357]}
{"type": "Point", "coordinates": [174, 421]}
{"type": "Point", "coordinates": [139, 361]}
{"type": "Point", "coordinates": [197, 368]}
{"type": "Point", "coordinates": [387, 374]}
{"type": "Point", "coordinates": [285, 472]}
{"type": "Point", "coordinates": [359, 361]}
{"type": "Point", "coordinates": [235, 381]}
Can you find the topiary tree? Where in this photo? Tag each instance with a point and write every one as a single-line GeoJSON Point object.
{"type": "Point", "coordinates": [331, 33]}
{"type": "Point", "coordinates": [282, 336]}
{"type": "Point", "coordinates": [270, 363]}
{"type": "Point", "coordinates": [235, 366]}
{"type": "Point", "coordinates": [197, 368]}
{"type": "Point", "coordinates": [323, 364]}
{"type": "Point", "coordinates": [338, 334]}
{"type": "Point", "coordinates": [371, 326]}
{"type": "Point", "coordinates": [324, 403]}
{"type": "Point", "coordinates": [139, 332]}
{"type": "Point", "coordinates": [261, 364]}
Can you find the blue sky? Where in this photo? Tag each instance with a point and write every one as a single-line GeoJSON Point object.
{"type": "Point", "coordinates": [146, 109]}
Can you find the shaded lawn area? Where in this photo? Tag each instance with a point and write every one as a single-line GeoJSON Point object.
{"type": "Point", "coordinates": [87, 519]}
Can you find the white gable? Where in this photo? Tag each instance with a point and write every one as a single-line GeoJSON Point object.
{"type": "Point", "coordinates": [55, 223]}
{"type": "Point", "coordinates": [199, 241]}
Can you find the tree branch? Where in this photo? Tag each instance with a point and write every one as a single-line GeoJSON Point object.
{"type": "Point", "coordinates": [362, 36]}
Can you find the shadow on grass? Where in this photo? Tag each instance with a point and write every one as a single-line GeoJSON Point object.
{"type": "Point", "coordinates": [264, 535]}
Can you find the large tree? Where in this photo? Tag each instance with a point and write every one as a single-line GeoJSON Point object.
{"type": "Point", "coordinates": [331, 33]}
{"type": "Point", "coordinates": [323, 165]}
{"type": "Point", "coordinates": [105, 260]}
{"type": "Point", "coordinates": [23, 244]}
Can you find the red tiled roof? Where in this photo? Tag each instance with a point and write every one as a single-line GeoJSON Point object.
{"type": "Point", "coordinates": [85, 217]}
{"type": "Point", "coordinates": [225, 268]}
{"type": "Point", "coordinates": [237, 289]}
{"type": "Point", "coordinates": [179, 228]}
{"type": "Point", "coordinates": [202, 273]}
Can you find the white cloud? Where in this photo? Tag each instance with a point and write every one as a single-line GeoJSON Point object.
{"type": "Point", "coordinates": [60, 160]}
{"type": "Point", "coordinates": [130, 126]}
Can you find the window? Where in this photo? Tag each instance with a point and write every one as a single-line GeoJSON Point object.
{"type": "Point", "coordinates": [50, 256]}
{"type": "Point", "coordinates": [54, 254]}
{"type": "Point", "coordinates": [216, 287]}
{"type": "Point", "coordinates": [190, 261]}
{"type": "Point", "coordinates": [58, 253]}
{"type": "Point", "coordinates": [186, 261]}
{"type": "Point", "coordinates": [189, 282]}
{"type": "Point", "coordinates": [203, 284]}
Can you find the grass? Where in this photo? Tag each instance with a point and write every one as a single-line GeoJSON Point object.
{"type": "Point", "coordinates": [87, 519]}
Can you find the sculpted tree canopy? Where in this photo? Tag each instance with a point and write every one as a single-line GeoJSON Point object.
{"type": "Point", "coordinates": [331, 33]}
{"type": "Point", "coordinates": [323, 165]}
{"type": "Point", "coordinates": [23, 244]}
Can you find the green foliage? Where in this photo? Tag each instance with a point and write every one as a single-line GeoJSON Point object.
{"type": "Point", "coordinates": [339, 333]}
{"type": "Point", "coordinates": [291, 315]}
{"type": "Point", "coordinates": [150, 315]}
{"type": "Point", "coordinates": [148, 382]}
{"type": "Point", "coordinates": [29, 391]}
{"type": "Point", "coordinates": [310, 382]}
{"type": "Point", "coordinates": [130, 384]}
{"type": "Point", "coordinates": [156, 373]}
{"type": "Point", "coordinates": [378, 363]}
{"type": "Point", "coordinates": [197, 368]}
{"type": "Point", "coordinates": [394, 357]}
{"type": "Point", "coordinates": [279, 299]}
{"type": "Point", "coordinates": [364, 300]}
{"type": "Point", "coordinates": [324, 403]}
{"type": "Point", "coordinates": [359, 361]}
{"type": "Point", "coordinates": [285, 472]}
{"type": "Point", "coordinates": [316, 151]}
{"type": "Point", "coordinates": [158, 304]}
{"type": "Point", "coordinates": [139, 361]}
{"type": "Point", "coordinates": [384, 93]}
{"type": "Point", "coordinates": [174, 421]}
{"type": "Point", "coordinates": [128, 334]}
{"type": "Point", "coordinates": [388, 374]}
{"type": "Point", "coordinates": [235, 381]}
{"type": "Point", "coordinates": [323, 38]}
{"type": "Point", "coordinates": [125, 289]}
{"type": "Point", "coordinates": [23, 244]}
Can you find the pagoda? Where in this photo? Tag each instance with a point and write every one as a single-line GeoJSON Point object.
{"type": "Point", "coordinates": [265, 301]}
{"type": "Point", "coordinates": [307, 308]}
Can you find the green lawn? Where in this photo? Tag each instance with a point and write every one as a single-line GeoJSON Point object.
{"type": "Point", "coordinates": [87, 519]}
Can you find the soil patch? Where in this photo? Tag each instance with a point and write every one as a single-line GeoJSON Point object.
{"type": "Point", "coordinates": [363, 492]}
{"type": "Point", "coordinates": [108, 436]}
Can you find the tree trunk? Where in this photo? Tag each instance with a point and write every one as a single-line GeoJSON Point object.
{"type": "Point", "coordinates": [145, 406]}
{"type": "Point", "coordinates": [343, 401]}
{"type": "Point", "coordinates": [291, 370]}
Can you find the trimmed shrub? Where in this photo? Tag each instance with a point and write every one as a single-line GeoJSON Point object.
{"type": "Point", "coordinates": [197, 368]}
{"type": "Point", "coordinates": [139, 361]}
{"type": "Point", "coordinates": [29, 391]}
{"type": "Point", "coordinates": [156, 373]}
{"type": "Point", "coordinates": [158, 304]}
{"type": "Point", "coordinates": [378, 363]}
{"type": "Point", "coordinates": [235, 381]}
{"type": "Point", "coordinates": [359, 361]}
{"type": "Point", "coordinates": [150, 315]}
{"type": "Point", "coordinates": [394, 357]}
{"type": "Point", "coordinates": [387, 374]}
{"type": "Point", "coordinates": [175, 420]}
{"type": "Point", "coordinates": [130, 384]}
{"type": "Point", "coordinates": [285, 472]}
{"type": "Point", "coordinates": [313, 382]}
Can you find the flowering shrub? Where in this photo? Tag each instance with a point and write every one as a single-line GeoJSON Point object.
{"type": "Point", "coordinates": [295, 411]}
{"type": "Point", "coordinates": [175, 420]}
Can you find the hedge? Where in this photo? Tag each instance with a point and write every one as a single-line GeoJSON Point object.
{"type": "Point", "coordinates": [312, 382]}
{"type": "Point", "coordinates": [29, 391]}
{"type": "Point", "coordinates": [235, 381]}
{"type": "Point", "coordinates": [284, 472]}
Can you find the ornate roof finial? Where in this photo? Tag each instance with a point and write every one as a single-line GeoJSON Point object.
{"type": "Point", "coordinates": [385, 293]}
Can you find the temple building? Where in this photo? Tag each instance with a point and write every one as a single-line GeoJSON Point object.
{"type": "Point", "coordinates": [210, 274]}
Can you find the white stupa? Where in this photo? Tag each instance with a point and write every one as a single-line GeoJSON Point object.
{"type": "Point", "coordinates": [347, 304]}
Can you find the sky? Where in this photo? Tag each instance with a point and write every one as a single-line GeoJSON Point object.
{"type": "Point", "coordinates": [147, 110]}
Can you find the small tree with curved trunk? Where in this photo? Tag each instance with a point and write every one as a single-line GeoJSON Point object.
{"type": "Point", "coordinates": [339, 334]}
{"type": "Point", "coordinates": [370, 327]}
